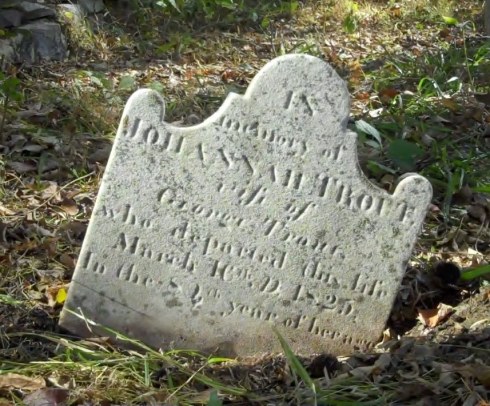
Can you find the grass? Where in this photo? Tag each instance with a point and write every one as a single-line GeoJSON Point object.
{"type": "Point", "coordinates": [183, 377]}
{"type": "Point", "coordinates": [415, 78]}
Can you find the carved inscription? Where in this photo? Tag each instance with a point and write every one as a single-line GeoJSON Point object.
{"type": "Point", "coordinates": [269, 135]}
{"type": "Point", "coordinates": [203, 237]}
{"type": "Point", "coordinates": [125, 215]}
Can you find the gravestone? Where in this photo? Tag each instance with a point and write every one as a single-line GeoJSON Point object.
{"type": "Point", "coordinates": [205, 237]}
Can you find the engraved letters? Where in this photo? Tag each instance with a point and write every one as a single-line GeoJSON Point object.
{"type": "Point", "coordinates": [204, 237]}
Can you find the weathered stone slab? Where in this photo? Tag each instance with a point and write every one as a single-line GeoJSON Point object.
{"type": "Point", "coordinates": [205, 237]}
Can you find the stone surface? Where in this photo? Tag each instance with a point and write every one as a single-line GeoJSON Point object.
{"type": "Point", "coordinates": [92, 6]}
{"type": "Point", "coordinates": [42, 40]}
{"type": "Point", "coordinates": [205, 237]}
{"type": "Point", "coordinates": [74, 12]}
{"type": "Point", "coordinates": [32, 35]}
{"type": "Point", "coordinates": [10, 18]}
{"type": "Point", "coordinates": [33, 11]}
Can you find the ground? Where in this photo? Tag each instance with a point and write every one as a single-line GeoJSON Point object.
{"type": "Point", "coordinates": [419, 76]}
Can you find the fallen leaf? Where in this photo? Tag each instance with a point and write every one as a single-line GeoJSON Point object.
{"type": "Point", "coordinates": [229, 75]}
{"type": "Point", "coordinates": [54, 296]}
{"type": "Point", "coordinates": [382, 363]}
{"type": "Point", "coordinates": [4, 211]}
{"type": "Point", "coordinates": [47, 162]}
{"type": "Point", "coordinates": [477, 212]}
{"type": "Point", "coordinates": [16, 381]}
{"type": "Point", "coordinates": [376, 113]}
{"type": "Point", "coordinates": [25, 246]}
{"type": "Point", "coordinates": [450, 104]}
{"type": "Point", "coordinates": [362, 372]}
{"type": "Point", "coordinates": [202, 397]}
{"type": "Point", "coordinates": [433, 317]}
{"type": "Point", "coordinates": [395, 11]}
{"type": "Point", "coordinates": [362, 96]}
{"type": "Point", "coordinates": [414, 390]}
{"type": "Point", "coordinates": [444, 33]}
{"type": "Point", "coordinates": [41, 230]}
{"type": "Point", "coordinates": [22, 167]}
{"type": "Point", "coordinates": [427, 139]}
{"type": "Point", "coordinates": [51, 191]}
{"type": "Point", "coordinates": [388, 94]}
{"type": "Point", "coordinates": [68, 261]}
{"type": "Point", "coordinates": [480, 372]}
{"type": "Point", "coordinates": [73, 230]}
{"type": "Point", "coordinates": [411, 370]}
{"type": "Point", "coordinates": [69, 206]}
{"type": "Point", "coordinates": [61, 296]}
{"type": "Point", "coordinates": [50, 244]}
{"type": "Point", "coordinates": [47, 397]}
{"type": "Point", "coordinates": [33, 148]}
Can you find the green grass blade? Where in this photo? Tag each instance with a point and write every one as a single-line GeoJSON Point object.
{"type": "Point", "coordinates": [294, 362]}
{"type": "Point", "coordinates": [475, 273]}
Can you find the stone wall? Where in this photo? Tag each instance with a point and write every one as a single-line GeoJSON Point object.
{"type": "Point", "coordinates": [30, 29]}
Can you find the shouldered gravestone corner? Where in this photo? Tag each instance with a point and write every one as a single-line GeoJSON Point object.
{"type": "Point", "coordinates": [204, 237]}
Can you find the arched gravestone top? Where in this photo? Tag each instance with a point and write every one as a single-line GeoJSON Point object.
{"type": "Point", "coordinates": [204, 237]}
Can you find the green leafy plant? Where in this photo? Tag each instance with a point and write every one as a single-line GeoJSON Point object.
{"type": "Point", "coordinates": [227, 11]}
{"type": "Point", "coordinates": [404, 154]}
{"type": "Point", "coordinates": [350, 21]}
{"type": "Point", "coordinates": [9, 92]}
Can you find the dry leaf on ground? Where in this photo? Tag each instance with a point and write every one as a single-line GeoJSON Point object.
{"type": "Point", "coordinates": [47, 397]}
{"type": "Point", "coordinates": [433, 317]}
{"type": "Point", "coordinates": [69, 206]}
{"type": "Point", "coordinates": [16, 381]}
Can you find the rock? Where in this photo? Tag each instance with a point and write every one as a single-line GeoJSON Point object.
{"type": "Point", "coordinates": [33, 36]}
{"type": "Point", "coordinates": [10, 18]}
{"type": "Point", "coordinates": [42, 40]}
{"type": "Point", "coordinates": [73, 12]}
{"type": "Point", "coordinates": [92, 6]}
{"type": "Point", "coordinates": [9, 47]}
{"type": "Point", "coordinates": [34, 11]}
{"type": "Point", "coordinates": [206, 237]}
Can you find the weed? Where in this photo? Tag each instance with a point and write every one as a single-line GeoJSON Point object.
{"type": "Point", "coordinates": [9, 93]}
{"type": "Point", "coordinates": [225, 12]}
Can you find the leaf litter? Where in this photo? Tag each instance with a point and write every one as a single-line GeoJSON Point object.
{"type": "Point", "coordinates": [436, 347]}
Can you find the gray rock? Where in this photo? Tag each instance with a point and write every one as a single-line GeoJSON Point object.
{"type": "Point", "coordinates": [75, 12]}
{"type": "Point", "coordinates": [10, 18]}
{"type": "Point", "coordinates": [9, 46]}
{"type": "Point", "coordinates": [33, 11]}
{"type": "Point", "coordinates": [208, 236]}
{"type": "Point", "coordinates": [42, 40]}
{"type": "Point", "coordinates": [92, 6]}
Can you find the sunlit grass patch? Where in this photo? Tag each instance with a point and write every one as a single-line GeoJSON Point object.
{"type": "Point", "coordinates": [94, 370]}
